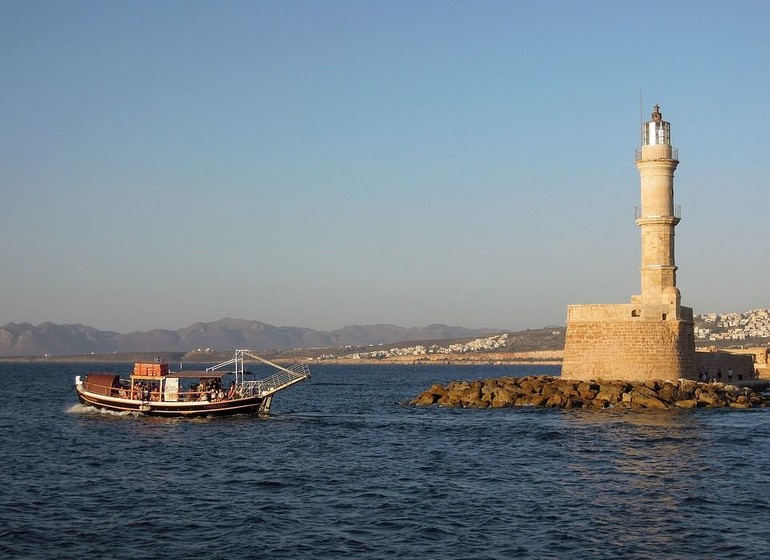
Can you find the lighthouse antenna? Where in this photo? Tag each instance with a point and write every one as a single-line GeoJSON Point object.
{"type": "Point", "coordinates": [641, 120]}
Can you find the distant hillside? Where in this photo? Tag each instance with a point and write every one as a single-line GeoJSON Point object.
{"type": "Point", "coordinates": [24, 339]}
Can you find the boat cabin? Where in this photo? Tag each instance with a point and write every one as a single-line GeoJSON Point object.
{"type": "Point", "coordinates": [106, 384]}
{"type": "Point", "coordinates": [154, 382]}
{"type": "Point", "coordinates": [181, 386]}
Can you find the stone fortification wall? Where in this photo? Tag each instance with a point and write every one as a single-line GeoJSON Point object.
{"type": "Point", "coordinates": [620, 342]}
{"type": "Point", "coordinates": [593, 312]}
{"type": "Point", "coordinates": [761, 356]}
{"type": "Point", "coordinates": [598, 312]}
{"type": "Point", "coordinates": [716, 361]}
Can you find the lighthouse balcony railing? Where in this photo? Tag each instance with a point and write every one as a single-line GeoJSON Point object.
{"type": "Point", "coordinates": [674, 153]}
{"type": "Point", "coordinates": [657, 212]}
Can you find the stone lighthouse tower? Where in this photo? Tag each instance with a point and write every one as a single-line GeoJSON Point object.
{"type": "Point", "coordinates": [657, 217]}
{"type": "Point", "coordinates": [652, 337]}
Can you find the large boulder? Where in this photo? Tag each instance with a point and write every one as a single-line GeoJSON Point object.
{"type": "Point", "coordinates": [611, 392]}
{"type": "Point", "coordinates": [640, 399]}
{"type": "Point", "coordinates": [671, 392]}
{"type": "Point", "coordinates": [688, 403]}
{"type": "Point", "coordinates": [431, 396]}
{"type": "Point", "coordinates": [712, 398]}
{"type": "Point", "coordinates": [503, 398]}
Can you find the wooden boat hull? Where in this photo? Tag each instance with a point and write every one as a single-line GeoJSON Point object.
{"type": "Point", "coordinates": [247, 405]}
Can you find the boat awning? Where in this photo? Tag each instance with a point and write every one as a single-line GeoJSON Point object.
{"type": "Point", "coordinates": [102, 383]}
{"type": "Point", "coordinates": [199, 374]}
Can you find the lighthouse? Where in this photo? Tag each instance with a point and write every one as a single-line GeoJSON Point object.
{"type": "Point", "coordinates": [651, 337]}
{"type": "Point", "coordinates": [657, 216]}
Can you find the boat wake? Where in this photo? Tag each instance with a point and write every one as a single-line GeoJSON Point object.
{"type": "Point", "coordinates": [85, 409]}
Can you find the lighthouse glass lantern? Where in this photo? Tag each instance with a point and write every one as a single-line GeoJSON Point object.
{"type": "Point", "coordinates": [657, 131]}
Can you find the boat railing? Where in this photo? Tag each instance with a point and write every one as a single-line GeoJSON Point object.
{"type": "Point", "coordinates": [279, 380]}
{"type": "Point", "coordinates": [137, 394]}
{"type": "Point", "coordinates": [263, 387]}
{"type": "Point", "coordinates": [155, 395]}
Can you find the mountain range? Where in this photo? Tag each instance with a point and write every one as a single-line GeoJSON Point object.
{"type": "Point", "coordinates": [24, 339]}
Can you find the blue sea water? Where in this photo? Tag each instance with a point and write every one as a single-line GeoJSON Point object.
{"type": "Point", "coordinates": [344, 469]}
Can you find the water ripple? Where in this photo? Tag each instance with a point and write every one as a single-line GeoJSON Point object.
{"type": "Point", "coordinates": [341, 470]}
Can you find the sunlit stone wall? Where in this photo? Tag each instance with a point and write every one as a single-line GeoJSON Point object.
{"type": "Point", "coordinates": [628, 341]}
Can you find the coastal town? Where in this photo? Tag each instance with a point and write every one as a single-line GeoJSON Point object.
{"type": "Point", "coordinates": [751, 325]}
{"type": "Point", "coordinates": [477, 345]}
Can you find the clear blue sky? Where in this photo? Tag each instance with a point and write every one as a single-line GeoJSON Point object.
{"type": "Point", "coordinates": [330, 163]}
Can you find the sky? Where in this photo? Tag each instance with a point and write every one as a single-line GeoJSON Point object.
{"type": "Point", "coordinates": [329, 163]}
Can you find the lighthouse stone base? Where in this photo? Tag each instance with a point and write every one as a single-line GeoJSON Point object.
{"type": "Point", "coordinates": [629, 342]}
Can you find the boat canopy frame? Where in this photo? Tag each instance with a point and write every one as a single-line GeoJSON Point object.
{"type": "Point", "coordinates": [199, 374]}
{"type": "Point", "coordinates": [267, 386]}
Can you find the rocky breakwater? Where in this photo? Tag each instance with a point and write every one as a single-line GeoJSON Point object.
{"type": "Point", "coordinates": [555, 392]}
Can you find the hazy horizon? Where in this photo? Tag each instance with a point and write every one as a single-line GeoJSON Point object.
{"type": "Point", "coordinates": [180, 327]}
{"type": "Point", "coordinates": [330, 164]}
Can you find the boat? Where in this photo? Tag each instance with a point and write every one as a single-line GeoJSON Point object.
{"type": "Point", "coordinates": [220, 390]}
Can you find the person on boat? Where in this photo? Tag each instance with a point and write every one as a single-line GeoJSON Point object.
{"type": "Point", "coordinates": [231, 391]}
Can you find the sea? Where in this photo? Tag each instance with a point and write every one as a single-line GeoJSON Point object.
{"type": "Point", "coordinates": [344, 467]}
